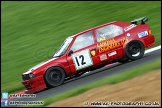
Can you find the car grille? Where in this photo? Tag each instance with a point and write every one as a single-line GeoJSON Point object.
{"type": "Point", "coordinates": [25, 77]}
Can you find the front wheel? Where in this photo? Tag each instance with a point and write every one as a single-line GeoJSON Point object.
{"type": "Point", "coordinates": [54, 76]}
{"type": "Point", "coordinates": [135, 50]}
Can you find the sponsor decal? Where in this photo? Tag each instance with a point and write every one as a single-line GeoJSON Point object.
{"type": "Point", "coordinates": [142, 34]}
{"type": "Point", "coordinates": [93, 52]}
{"type": "Point", "coordinates": [129, 27]}
{"type": "Point", "coordinates": [102, 38]}
{"type": "Point", "coordinates": [112, 53]}
{"type": "Point", "coordinates": [110, 44]}
{"type": "Point", "coordinates": [103, 57]}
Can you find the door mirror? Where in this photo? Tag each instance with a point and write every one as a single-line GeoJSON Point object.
{"type": "Point", "coordinates": [70, 52]}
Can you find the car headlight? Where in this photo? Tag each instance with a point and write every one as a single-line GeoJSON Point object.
{"type": "Point", "coordinates": [31, 76]}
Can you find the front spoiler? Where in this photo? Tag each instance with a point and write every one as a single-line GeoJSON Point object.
{"type": "Point", "coordinates": [34, 85]}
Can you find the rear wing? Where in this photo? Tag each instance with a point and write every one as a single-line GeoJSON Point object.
{"type": "Point", "coordinates": [143, 20]}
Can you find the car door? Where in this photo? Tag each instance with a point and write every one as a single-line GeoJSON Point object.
{"type": "Point", "coordinates": [84, 52]}
{"type": "Point", "coordinates": [110, 40]}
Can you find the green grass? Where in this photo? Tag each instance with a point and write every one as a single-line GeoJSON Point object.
{"type": "Point", "coordinates": [145, 68]}
{"type": "Point", "coordinates": [32, 31]}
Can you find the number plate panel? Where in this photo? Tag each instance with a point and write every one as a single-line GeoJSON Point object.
{"type": "Point", "coordinates": [82, 59]}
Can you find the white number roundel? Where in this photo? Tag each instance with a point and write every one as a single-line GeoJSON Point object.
{"type": "Point", "coordinates": [82, 59]}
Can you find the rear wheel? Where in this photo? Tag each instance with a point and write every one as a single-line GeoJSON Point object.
{"type": "Point", "coordinates": [54, 76]}
{"type": "Point", "coordinates": [135, 50]}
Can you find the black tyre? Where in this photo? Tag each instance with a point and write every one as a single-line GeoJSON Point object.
{"type": "Point", "coordinates": [135, 50]}
{"type": "Point", "coordinates": [54, 76]}
{"type": "Point", "coordinates": [123, 60]}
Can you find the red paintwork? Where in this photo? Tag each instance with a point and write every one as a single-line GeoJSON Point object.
{"type": "Point", "coordinates": [65, 62]}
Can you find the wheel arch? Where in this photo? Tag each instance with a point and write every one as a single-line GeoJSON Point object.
{"type": "Point", "coordinates": [125, 45]}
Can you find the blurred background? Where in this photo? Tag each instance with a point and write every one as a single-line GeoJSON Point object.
{"type": "Point", "coordinates": [32, 31]}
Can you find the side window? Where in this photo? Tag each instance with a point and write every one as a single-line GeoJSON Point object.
{"type": "Point", "coordinates": [107, 32]}
{"type": "Point", "coordinates": [82, 41]}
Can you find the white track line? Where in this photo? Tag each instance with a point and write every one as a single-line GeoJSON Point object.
{"type": "Point", "coordinates": [153, 49]}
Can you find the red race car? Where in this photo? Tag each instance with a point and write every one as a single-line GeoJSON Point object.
{"type": "Point", "coordinates": [91, 49]}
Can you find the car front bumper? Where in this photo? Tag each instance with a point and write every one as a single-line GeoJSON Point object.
{"type": "Point", "coordinates": [34, 85]}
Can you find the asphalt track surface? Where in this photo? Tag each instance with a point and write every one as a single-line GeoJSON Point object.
{"type": "Point", "coordinates": [92, 76]}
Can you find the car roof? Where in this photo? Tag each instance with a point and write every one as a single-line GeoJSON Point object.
{"type": "Point", "coordinates": [114, 22]}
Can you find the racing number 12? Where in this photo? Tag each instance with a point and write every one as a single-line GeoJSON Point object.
{"type": "Point", "coordinates": [82, 60]}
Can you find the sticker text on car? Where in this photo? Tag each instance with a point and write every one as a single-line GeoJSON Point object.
{"type": "Point", "coordinates": [112, 53]}
{"type": "Point", "coordinates": [109, 44]}
{"type": "Point", "coordinates": [142, 34]}
{"type": "Point", "coordinates": [103, 57]}
{"type": "Point", "coordinates": [129, 27]}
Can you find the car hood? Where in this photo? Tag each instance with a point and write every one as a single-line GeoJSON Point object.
{"type": "Point", "coordinates": [39, 65]}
